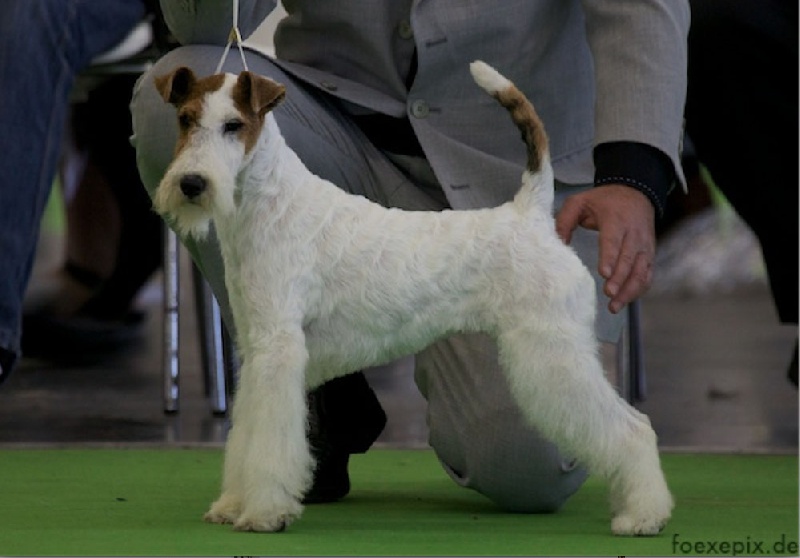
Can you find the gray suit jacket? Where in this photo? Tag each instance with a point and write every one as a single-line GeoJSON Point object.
{"type": "Point", "coordinates": [596, 70]}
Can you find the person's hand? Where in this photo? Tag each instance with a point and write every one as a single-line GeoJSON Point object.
{"type": "Point", "coordinates": [625, 219]}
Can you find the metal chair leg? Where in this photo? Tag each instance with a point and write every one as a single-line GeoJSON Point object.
{"type": "Point", "coordinates": [232, 362]}
{"type": "Point", "coordinates": [170, 356]}
{"type": "Point", "coordinates": [630, 358]}
{"type": "Point", "coordinates": [217, 354]}
{"type": "Point", "coordinates": [212, 344]}
{"type": "Point", "coordinates": [638, 377]}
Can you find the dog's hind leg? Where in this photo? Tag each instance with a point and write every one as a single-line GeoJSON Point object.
{"type": "Point", "coordinates": [267, 451]}
{"type": "Point", "coordinates": [556, 378]}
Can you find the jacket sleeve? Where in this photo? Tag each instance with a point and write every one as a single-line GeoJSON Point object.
{"type": "Point", "coordinates": [640, 56]}
{"type": "Point", "coordinates": [210, 21]}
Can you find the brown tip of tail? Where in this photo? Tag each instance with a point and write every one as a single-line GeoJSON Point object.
{"type": "Point", "coordinates": [527, 120]}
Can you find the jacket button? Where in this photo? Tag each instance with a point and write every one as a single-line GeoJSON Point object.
{"type": "Point", "coordinates": [328, 86]}
{"type": "Point", "coordinates": [420, 109]}
{"type": "Point", "coordinates": [404, 30]}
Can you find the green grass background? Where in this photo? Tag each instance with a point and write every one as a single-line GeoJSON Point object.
{"type": "Point", "coordinates": [150, 502]}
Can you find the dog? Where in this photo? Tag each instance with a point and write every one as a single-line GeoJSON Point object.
{"type": "Point", "coordinates": [323, 283]}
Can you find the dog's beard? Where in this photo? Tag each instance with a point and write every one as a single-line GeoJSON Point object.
{"type": "Point", "coordinates": [191, 221]}
{"type": "Point", "coordinates": [192, 217]}
{"type": "Point", "coordinates": [189, 218]}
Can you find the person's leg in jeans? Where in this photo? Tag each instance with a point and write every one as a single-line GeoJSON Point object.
{"type": "Point", "coordinates": [44, 44]}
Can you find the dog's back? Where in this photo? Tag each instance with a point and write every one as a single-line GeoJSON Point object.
{"type": "Point", "coordinates": [398, 312]}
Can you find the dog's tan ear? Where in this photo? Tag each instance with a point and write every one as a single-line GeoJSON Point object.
{"type": "Point", "coordinates": [174, 87]}
{"type": "Point", "coordinates": [258, 92]}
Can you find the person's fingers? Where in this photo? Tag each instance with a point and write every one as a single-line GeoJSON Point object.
{"type": "Point", "coordinates": [567, 219]}
{"type": "Point", "coordinates": [632, 272]}
{"type": "Point", "coordinates": [610, 241]}
{"type": "Point", "coordinates": [624, 219]}
{"type": "Point", "coordinates": [634, 285]}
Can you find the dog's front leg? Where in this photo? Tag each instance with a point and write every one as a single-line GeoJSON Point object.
{"type": "Point", "coordinates": [268, 465]}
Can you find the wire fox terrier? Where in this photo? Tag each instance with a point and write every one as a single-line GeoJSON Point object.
{"type": "Point", "coordinates": [323, 283]}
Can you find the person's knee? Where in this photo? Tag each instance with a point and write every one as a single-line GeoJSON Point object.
{"type": "Point", "coordinates": [154, 123]}
{"type": "Point", "coordinates": [530, 486]}
{"type": "Point", "coordinates": [515, 468]}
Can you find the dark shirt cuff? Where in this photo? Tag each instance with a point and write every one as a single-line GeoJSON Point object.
{"type": "Point", "coordinates": [637, 165]}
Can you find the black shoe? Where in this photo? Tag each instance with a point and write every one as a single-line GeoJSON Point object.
{"type": "Point", "coordinates": [345, 417]}
{"type": "Point", "coordinates": [331, 480]}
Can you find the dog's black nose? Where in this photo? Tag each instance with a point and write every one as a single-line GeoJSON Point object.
{"type": "Point", "coordinates": [192, 185]}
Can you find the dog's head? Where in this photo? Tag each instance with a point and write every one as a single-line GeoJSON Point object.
{"type": "Point", "coordinates": [220, 118]}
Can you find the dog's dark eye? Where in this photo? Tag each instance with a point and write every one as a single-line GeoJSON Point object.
{"type": "Point", "coordinates": [232, 126]}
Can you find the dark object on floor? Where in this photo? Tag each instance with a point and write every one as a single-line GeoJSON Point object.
{"type": "Point", "coordinates": [79, 340]}
{"type": "Point", "coordinates": [345, 417]}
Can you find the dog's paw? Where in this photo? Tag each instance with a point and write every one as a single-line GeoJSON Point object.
{"type": "Point", "coordinates": [264, 524]}
{"type": "Point", "coordinates": [271, 521]}
{"type": "Point", "coordinates": [224, 510]}
{"type": "Point", "coordinates": [646, 516]}
{"type": "Point", "coordinates": [643, 505]}
{"type": "Point", "coordinates": [630, 526]}
{"type": "Point", "coordinates": [272, 514]}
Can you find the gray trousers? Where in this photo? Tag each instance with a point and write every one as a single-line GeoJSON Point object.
{"type": "Point", "coordinates": [475, 427]}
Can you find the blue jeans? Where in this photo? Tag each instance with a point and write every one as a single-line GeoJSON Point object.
{"type": "Point", "coordinates": [44, 44]}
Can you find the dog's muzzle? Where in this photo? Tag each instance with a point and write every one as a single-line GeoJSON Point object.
{"type": "Point", "coordinates": [192, 185]}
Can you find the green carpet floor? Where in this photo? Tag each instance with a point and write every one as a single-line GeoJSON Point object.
{"type": "Point", "coordinates": [134, 502]}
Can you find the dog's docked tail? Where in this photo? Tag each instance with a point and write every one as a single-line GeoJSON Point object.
{"type": "Point", "coordinates": [537, 180]}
